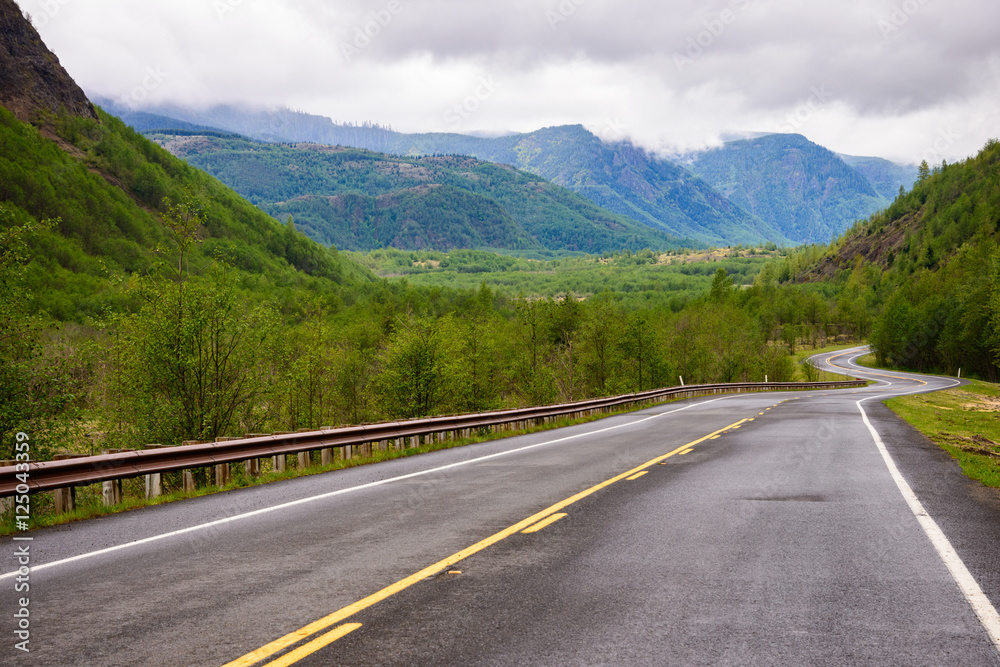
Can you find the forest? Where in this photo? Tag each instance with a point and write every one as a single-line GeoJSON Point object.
{"type": "Point", "coordinates": [143, 302]}
{"type": "Point", "coordinates": [930, 266]}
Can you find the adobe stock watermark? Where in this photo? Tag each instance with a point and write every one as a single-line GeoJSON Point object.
{"type": "Point", "coordinates": [368, 31]}
{"type": "Point", "coordinates": [22, 551]}
{"type": "Point", "coordinates": [614, 127]}
{"type": "Point", "coordinates": [819, 97]}
{"type": "Point", "coordinates": [703, 40]}
{"type": "Point", "coordinates": [943, 142]}
{"type": "Point", "coordinates": [154, 78]}
{"type": "Point", "coordinates": [562, 13]}
{"type": "Point", "coordinates": [223, 7]}
{"type": "Point", "coordinates": [464, 110]}
{"type": "Point", "coordinates": [899, 16]}
{"type": "Point", "coordinates": [49, 9]}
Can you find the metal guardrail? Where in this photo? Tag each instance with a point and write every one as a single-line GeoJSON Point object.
{"type": "Point", "coordinates": [82, 471]}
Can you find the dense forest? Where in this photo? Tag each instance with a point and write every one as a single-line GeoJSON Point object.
{"type": "Point", "coordinates": [617, 176]}
{"type": "Point", "coordinates": [142, 301]}
{"type": "Point", "coordinates": [807, 191]}
{"type": "Point", "coordinates": [359, 200]}
{"type": "Point", "coordinates": [191, 342]}
{"type": "Point", "coordinates": [929, 269]}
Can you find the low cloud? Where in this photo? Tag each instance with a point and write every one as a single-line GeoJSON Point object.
{"type": "Point", "coordinates": [676, 75]}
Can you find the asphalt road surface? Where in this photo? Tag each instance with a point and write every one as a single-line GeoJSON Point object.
{"type": "Point", "coordinates": [787, 528]}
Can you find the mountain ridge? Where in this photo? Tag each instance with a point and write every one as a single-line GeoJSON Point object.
{"type": "Point", "coordinates": [620, 177]}
{"type": "Point", "coordinates": [362, 200]}
{"type": "Point", "coordinates": [806, 190]}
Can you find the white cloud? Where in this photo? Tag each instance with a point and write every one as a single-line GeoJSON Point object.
{"type": "Point", "coordinates": [896, 73]}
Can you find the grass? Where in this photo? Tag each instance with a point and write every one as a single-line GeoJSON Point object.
{"type": "Point", "coordinates": [964, 421]}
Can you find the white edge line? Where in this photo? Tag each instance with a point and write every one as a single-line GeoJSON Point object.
{"type": "Point", "coordinates": [975, 596]}
{"type": "Point", "coordinates": [322, 496]}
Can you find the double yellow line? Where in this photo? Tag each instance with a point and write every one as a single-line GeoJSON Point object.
{"type": "Point", "coordinates": [537, 521]}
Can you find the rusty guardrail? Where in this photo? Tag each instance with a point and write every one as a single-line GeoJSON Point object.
{"type": "Point", "coordinates": [69, 473]}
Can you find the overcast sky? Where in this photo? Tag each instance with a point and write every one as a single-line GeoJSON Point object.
{"type": "Point", "coordinates": [903, 79]}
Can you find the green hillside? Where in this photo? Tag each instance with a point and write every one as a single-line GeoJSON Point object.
{"type": "Point", "coordinates": [106, 188]}
{"type": "Point", "coordinates": [616, 176]}
{"type": "Point", "coordinates": [359, 200]}
{"type": "Point", "coordinates": [930, 269]}
{"type": "Point", "coordinates": [885, 176]}
{"type": "Point", "coordinates": [809, 193]}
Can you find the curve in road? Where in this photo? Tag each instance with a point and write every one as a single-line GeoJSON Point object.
{"type": "Point", "coordinates": [759, 528]}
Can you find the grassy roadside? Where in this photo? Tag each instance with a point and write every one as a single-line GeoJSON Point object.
{"type": "Point", "coordinates": [964, 421]}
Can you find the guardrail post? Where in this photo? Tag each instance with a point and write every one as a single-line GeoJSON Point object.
{"type": "Point", "coordinates": [222, 474]}
{"type": "Point", "coordinates": [188, 484]}
{"type": "Point", "coordinates": [65, 498]}
{"type": "Point", "coordinates": [326, 456]}
{"type": "Point", "coordinates": [8, 502]}
{"type": "Point", "coordinates": [305, 460]}
{"type": "Point", "coordinates": [154, 481]}
{"type": "Point", "coordinates": [111, 490]}
{"type": "Point", "coordinates": [252, 466]}
{"type": "Point", "coordinates": [154, 486]}
{"type": "Point", "coordinates": [279, 462]}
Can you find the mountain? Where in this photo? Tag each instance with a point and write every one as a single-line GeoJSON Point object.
{"type": "Point", "coordinates": [106, 190]}
{"type": "Point", "coordinates": [361, 200]}
{"type": "Point", "coordinates": [627, 180]}
{"type": "Point", "coordinates": [619, 177]}
{"type": "Point", "coordinates": [932, 259]}
{"type": "Point", "coordinates": [885, 176]}
{"type": "Point", "coordinates": [806, 191]}
{"type": "Point", "coordinates": [33, 85]}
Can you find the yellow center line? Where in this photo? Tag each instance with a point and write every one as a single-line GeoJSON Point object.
{"type": "Point", "coordinates": [686, 451]}
{"type": "Point", "coordinates": [639, 474]}
{"type": "Point", "coordinates": [314, 645]}
{"type": "Point", "coordinates": [291, 638]}
{"type": "Point", "coordinates": [543, 523]}
{"type": "Point", "coordinates": [715, 437]}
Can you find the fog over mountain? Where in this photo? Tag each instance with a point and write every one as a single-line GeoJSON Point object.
{"type": "Point", "coordinates": [902, 80]}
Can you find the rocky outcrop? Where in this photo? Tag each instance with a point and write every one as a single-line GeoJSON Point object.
{"type": "Point", "coordinates": [32, 82]}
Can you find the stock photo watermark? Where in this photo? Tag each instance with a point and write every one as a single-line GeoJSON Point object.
{"type": "Point", "coordinates": [562, 13]}
{"type": "Point", "coordinates": [47, 11]}
{"type": "Point", "coordinates": [614, 127]}
{"type": "Point", "coordinates": [154, 78]}
{"type": "Point", "coordinates": [899, 17]}
{"type": "Point", "coordinates": [223, 7]}
{"type": "Point", "coordinates": [819, 97]}
{"type": "Point", "coordinates": [714, 28]}
{"type": "Point", "coordinates": [22, 544]}
{"type": "Point", "coordinates": [943, 142]}
{"type": "Point", "coordinates": [368, 31]}
{"type": "Point", "coordinates": [462, 111]}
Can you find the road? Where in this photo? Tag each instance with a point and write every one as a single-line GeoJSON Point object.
{"type": "Point", "coordinates": [758, 529]}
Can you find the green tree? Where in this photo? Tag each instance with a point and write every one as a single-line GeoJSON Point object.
{"type": "Point", "coordinates": [194, 373]}
{"type": "Point", "coordinates": [923, 171]}
{"type": "Point", "coordinates": [409, 379]}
